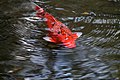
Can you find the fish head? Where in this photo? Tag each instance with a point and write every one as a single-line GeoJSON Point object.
{"type": "Point", "coordinates": [69, 42]}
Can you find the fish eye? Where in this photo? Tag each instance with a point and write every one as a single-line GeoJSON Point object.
{"type": "Point", "coordinates": [53, 24]}
{"type": "Point", "coordinates": [59, 32]}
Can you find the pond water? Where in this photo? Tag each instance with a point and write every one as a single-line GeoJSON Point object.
{"type": "Point", "coordinates": [24, 55]}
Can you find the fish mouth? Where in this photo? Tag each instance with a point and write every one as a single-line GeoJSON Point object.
{"type": "Point", "coordinates": [70, 44]}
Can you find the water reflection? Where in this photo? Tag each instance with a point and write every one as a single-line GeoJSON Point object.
{"type": "Point", "coordinates": [61, 67]}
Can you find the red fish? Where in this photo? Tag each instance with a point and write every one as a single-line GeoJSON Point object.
{"type": "Point", "coordinates": [57, 32]}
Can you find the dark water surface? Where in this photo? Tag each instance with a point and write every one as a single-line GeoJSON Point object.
{"type": "Point", "coordinates": [24, 55]}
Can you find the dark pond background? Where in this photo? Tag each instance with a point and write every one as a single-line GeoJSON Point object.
{"type": "Point", "coordinates": [24, 55]}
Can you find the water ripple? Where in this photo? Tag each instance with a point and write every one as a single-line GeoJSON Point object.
{"type": "Point", "coordinates": [96, 57]}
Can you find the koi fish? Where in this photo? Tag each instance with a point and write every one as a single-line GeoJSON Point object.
{"type": "Point", "coordinates": [57, 31]}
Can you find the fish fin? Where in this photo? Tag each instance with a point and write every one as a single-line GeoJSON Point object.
{"type": "Point", "coordinates": [78, 34]}
{"type": "Point", "coordinates": [49, 39]}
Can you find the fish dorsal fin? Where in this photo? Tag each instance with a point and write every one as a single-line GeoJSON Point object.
{"type": "Point", "coordinates": [49, 39]}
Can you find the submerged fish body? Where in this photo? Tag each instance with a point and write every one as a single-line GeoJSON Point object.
{"type": "Point", "coordinates": [57, 32]}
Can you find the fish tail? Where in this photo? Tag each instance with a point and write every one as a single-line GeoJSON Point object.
{"type": "Point", "coordinates": [37, 7]}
